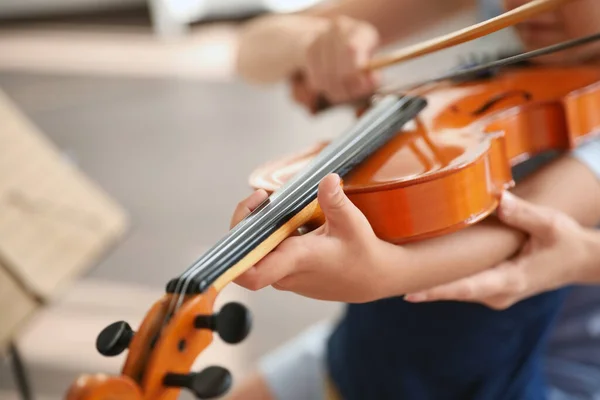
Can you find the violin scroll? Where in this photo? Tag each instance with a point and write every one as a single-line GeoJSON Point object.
{"type": "Point", "coordinates": [162, 351]}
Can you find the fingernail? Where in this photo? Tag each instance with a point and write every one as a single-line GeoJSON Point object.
{"type": "Point", "coordinates": [259, 196]}
{"type": "Point", "coordinates": [337, 181]}
{"type": "Point", "coordinates": [415, 298]}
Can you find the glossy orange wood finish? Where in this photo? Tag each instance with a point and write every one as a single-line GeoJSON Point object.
{"type": "Point", "coordinates": [146, 365]}
{"type": "Point", "coordinates": [102, 387]}
{"type": "Point", "coordinates": [178, 346]}
{"type": "Point", "coordinates": [141, 344]}
{"type": "Point", "coordinates": [582, 112]}
{"type": "Point", "coordinates": [448, 170]}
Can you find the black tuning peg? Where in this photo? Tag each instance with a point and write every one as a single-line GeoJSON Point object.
{"type": "Point", "coordinates": [114, 339]}
{"type": "Point", "coordinates": [210, 383]}
{"type": "Point", "coordinates": [232, 323]}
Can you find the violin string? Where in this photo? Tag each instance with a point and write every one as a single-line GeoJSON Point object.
{"type": "Point", "coordinates": [499, 63]}
{"type": "Point", "coordinates": [187, 277]}
{"type": "Point", "coordinates": [323, 162]}
{"type": "Point", "coordinates": [182, 284]}
{"type": "Point", "coordinates": [288, 191]}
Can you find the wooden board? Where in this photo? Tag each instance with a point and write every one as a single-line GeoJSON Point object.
{"type": "Point", "coordinates": [55, 223]}
{"type": "Point", "coordinates": [16, 306]}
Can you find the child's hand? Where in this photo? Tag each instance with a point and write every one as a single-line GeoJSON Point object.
{"type": "Point", "coordinates": [336, 262]}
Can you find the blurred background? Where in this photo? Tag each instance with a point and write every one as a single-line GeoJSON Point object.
{"type": "Point", "coordinates": [126, 141]}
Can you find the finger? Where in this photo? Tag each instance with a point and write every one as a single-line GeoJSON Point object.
{"type": "Point", "coordinates": [535, 220]}
{"type": "Point", "coordinates": [336, 52]}
{"type": "Point", "coordinates": [286, 284]}
{"type": "Point", "coordinates": [500, 302]}
{"type": "Point", "coordinates": [303, 94]}
{"type": "Point", "coordinates": [476, 288]}
{"type": "Point", "coordinates": [343, 218]}
{"type": "Point", "coordinates": [298, 89]}
{"type": "Point", "coordinates": [361, 83]}
{"type": "Point", "coordinates": [374, 79]}
{"type": "Point", "coordinates": [359, 86]}
{"type": "Point", "coordinates": [247, 205]}
{"type": "Point", "coordinates": [367, 45]}
{"type": "Point", "coordinates": [288, 258]}
{"type": "Point", "coordinates": [318, 61]}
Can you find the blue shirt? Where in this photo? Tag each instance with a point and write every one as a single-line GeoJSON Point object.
{"type": "Point", "coordinates": [391, 349]}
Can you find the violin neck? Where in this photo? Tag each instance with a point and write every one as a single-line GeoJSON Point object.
{"type": "Point", "coordinates": [295, 204]}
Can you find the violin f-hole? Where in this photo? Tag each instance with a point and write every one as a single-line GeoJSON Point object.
{"type": "Point", "coordinates": [498, 98]}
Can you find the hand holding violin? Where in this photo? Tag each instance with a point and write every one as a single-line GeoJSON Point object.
{"type": "Point", "coordinates": [559, 252]}
{"type": "Point", "coordinates": [337, 261]}
{"type": "Point", "coordinates": [344, 261]}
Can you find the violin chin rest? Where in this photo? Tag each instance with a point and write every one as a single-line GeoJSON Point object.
{"type": "Point", "coordinates": [104, 387]}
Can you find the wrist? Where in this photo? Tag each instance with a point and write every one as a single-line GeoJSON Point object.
{"type": "Point", "coordinates": [399, 270]}
{"type": "Point", "coordinates": [424, 264]}
{"type": "Point", "coordinates": [385, 260]}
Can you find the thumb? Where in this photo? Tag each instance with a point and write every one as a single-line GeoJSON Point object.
{"type": "Point", "coordinates": [533, 219]}
{"type": "Point", "coordinates": [342, 216]}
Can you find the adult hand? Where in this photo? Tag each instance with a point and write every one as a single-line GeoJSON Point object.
{"type": "Point", "coordinates": [558, 252]}
{"type": "Point", "coordinates": [332, 63]}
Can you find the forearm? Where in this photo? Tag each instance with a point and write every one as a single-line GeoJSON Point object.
{"type": "Point", "coordinates": [268, 47]}
{"type": "Point", "coordinates": [565, 185]}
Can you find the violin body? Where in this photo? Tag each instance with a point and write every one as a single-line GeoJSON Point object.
{"type": "Point", "coordinates": [448, 170]}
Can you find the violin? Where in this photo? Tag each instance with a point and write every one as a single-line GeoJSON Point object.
{"type": "Point", "coordinates": [419, 163]}
{"type": "Point", "coordinates": [448, 169]}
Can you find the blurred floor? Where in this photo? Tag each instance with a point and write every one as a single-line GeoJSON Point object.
{"type": "Point", "coordinates": [176, 155]}
{"type": "Point", "coordinates": [167, 130]}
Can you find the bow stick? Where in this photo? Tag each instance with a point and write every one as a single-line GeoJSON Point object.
{"type": "Point", "coordinates": [505, 20]}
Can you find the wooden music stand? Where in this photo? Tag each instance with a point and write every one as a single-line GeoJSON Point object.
{"type": "Point", "coordinates": [55, 224]}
